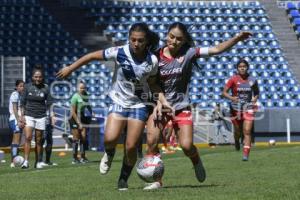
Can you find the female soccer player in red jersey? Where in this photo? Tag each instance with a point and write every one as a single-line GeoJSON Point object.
{"type": "Point", "coordinates": [245, 93]}
{"type": "Point", "coordinates": [176, 60]}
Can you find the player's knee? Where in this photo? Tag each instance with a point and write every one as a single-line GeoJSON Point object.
{"type": "Point", "coordinates": [152, 138]}
{"type": "Point", "coordinates": [187, 146]}
{"type": "Point", "coordinates": [28, 138]}
{"type": "Point", "coordinates": [39, 140]}
{"type": "Point", "coordinates": [130, 147]}
{"type": "Point", "coordinates": [247, 131]}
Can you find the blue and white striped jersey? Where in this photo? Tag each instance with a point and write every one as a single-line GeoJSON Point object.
{"type": "Point", "coordinates": [14, 98]}
{"type": "Point", "coordinates": [130, 88]}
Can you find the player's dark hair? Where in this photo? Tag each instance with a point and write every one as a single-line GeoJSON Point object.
{"type": "Point", "coordinates": [242, 60]}
{"type": "Point", "coordinates": [188, 38]}
{"type": "Point", "coordinates": [18, 82]}
{"type": "Point", "coordinates": [152, 37]}
{"type": "Point", "coordinates": [189, 42]}
{"type": "Point", "coordinates": [38, 68]}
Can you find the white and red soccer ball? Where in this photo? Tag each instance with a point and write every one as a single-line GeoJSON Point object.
{"type": "Point", "coordinates": [150, 169]}
{"type": "Point", "coordinates": [18, 161]}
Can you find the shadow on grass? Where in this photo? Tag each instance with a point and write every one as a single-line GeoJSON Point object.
{"type": "Point", "coordinates": [179, 186]}
{"type": "Point", "coordinates": [98, 161]}
{"type": "Point", "coordinates": [191, 186]}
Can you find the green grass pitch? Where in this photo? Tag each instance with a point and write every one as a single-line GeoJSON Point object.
{"type": "Point", "coordinates": [271, 173]}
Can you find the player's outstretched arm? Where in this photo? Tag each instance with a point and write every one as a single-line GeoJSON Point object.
{"type": "Point", "coordinates": [224, 46]}
{"type": "Point", "coordinates": [66, 71]}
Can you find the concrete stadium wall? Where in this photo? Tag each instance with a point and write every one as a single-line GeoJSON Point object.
{"type": "Point", "coordinates": [275, 120]}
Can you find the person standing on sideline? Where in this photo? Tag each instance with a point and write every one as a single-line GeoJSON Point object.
{"type": "Point", "coordinates": [81, 115]}
{"type": "Point", "coordinates": [245, 92]}
{"type": "Point", "coordinates": [15, 121]}
{"type": "Point", "coordinates": [218, 120]}
{"type": "Point", "coordinates": [34, 105]}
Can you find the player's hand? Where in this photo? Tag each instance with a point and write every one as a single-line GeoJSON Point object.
{"type": "Point", "coordinates": [157, 111]}
{"type": "Point", "coordinates": [244, 35]}
{"type": "Point", "coordinates": [21, 124]}
{"type": "Point", "coordinates": [64, 72]}
{"type": "Point", "coordinates": [168, 109]}
{"type": "Point", "coordinates": [254, 101]}
{"type": "Point", "coordinates": [53, 120]}
{"type": "Point", "coordinates": [235, 99]}
{"type": "Point", "coordinates": [80, 126]}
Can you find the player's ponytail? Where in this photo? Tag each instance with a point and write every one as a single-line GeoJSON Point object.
{"type": "Point", "coordinates": [152, 37]}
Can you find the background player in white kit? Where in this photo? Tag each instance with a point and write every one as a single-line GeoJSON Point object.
{"type": "Point", "coordinates": [15, 122]}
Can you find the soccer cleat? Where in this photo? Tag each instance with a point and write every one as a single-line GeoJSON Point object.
{"type": "Point", "coordinates": [43, 164]}
{"type": "Point", "coordinates": [245, 158]}
{"type": "Point", "coordinates": [246, 152]}
{"type": "Point", "coordinates": [105, 164]}
{"type": "Point", "coordinates": [39, 165]}
{"type": "Point", "coordinates": [12, 165]}
{"type": "Point", "coordinates": [50, 164]}
{"type": "Point", "coordinates": [83, 160]}
{"type": "Point", "coordinates": [122, 185]}
{"type": "Point", "coordinates": [153, 186]}
{"type": "Point", "coordinates": [25, 165]}
{"type": "Point", "coordinates": [200, 171]}
{"type": "Point", "coordinates": [75, 161]}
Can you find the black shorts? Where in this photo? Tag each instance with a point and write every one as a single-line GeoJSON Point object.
{"type": "Point", "coordinates": [74, 125]}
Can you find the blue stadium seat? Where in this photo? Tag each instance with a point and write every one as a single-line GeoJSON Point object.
{"type": "Point", "coordinates": [296, 21]}
{"type": "Point", "coordinates": [294, 14]}
{"type": "Point", "coordinates": [291, 6]}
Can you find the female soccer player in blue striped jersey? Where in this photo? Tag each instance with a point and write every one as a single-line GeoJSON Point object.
{"type": "Point", "coordinates": [135, 73]}
{"type": "Point", "coordinates": [15, 122]}
{"type": "Point", "coordinates": [176, 60]}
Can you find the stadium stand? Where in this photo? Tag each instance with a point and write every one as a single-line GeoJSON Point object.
{"type": "Point", "coordinates": [293, 12]}
{"type": "Point", "coordinates": [27, 29]}
{"type": "Point", "coordinates": [208, 22]}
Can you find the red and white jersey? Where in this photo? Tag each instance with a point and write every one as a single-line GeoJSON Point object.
{"type": "Point", "coordinates": [175, 75]}
{"type": "Point", "coordinates": [243, 89]}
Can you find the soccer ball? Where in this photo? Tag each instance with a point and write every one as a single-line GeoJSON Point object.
{"type": "Point", "coordinates": [272, 142]}
{"type": "Point", "coordinates": [150, 169]}
{"type": "Point", "coordinates": [18, 161]}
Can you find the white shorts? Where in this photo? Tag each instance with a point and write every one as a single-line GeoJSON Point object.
{"type": "Point", "coordinates": [37, 123]}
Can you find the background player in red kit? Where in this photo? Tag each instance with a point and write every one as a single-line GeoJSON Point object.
{"type": "Point", "coordinates": [245, 93]}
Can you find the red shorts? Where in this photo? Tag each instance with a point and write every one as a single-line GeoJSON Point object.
{"type": "Point", "coordinates": [182, 117]}
{"type": "Point", "coordinates": [238, 117]}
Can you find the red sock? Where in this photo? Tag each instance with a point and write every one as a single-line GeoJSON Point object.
{"type": "Point", "coordinates": [246, 150]}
